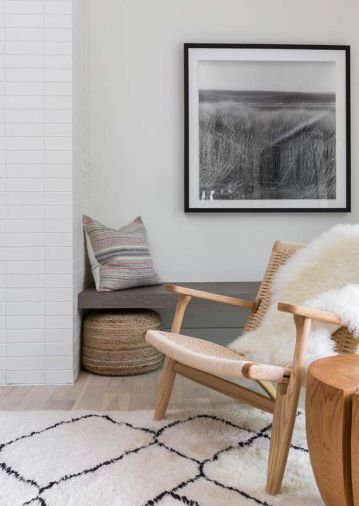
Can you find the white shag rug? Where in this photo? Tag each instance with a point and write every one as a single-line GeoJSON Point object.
{"type": "Point", "coordinates": [78, 458]}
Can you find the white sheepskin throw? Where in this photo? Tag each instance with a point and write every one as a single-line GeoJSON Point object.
{"type": "Point", "coordinates": [322, 275]}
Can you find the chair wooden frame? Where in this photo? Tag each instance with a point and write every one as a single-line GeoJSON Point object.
{"type": "Point", "coordinates": [281, 401]}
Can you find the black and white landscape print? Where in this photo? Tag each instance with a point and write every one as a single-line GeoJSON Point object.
{"type": "Point", "coordinates": [267, 130]}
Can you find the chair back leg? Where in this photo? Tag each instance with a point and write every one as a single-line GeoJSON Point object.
{"type": "Point", "coordinates": [165, 389]}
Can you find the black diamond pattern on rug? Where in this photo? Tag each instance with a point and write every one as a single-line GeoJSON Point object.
{"type": "Point", "coordinates": [101, 446]}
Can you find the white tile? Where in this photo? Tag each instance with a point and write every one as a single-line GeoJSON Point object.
{"type": "Point", "coordinates": [24, 240]}
{"type": "Point", "coordinates": [26, 156]}
{"type": "Point", "coordinates": [24, 130]}
{"type": "Point", "coordinates": [24, 88]}
{"type": "Point", "coordinates": [24, 184]}
{"type": "Point", "coordinates": [25, 336]}
{"type": "Point", "coordinates": [58, 102]}
{"type": "Point", "coordinates": [58, 362]}
{"type": "Point", "coordinates": [58, 21]}
{"type": "Point", "coordinates": [58, 212]}
{"type": "Point", "coordinates": [24, 7]}
{"type": "Point", "coordinates": [58, 253]}
{"type": "Point", "coordinates": [24, 33]}
{"type": "Point", "coordinates": [21, 281]}
{"type": "Point", "coordinates": [58, 34]}
{"type": "Point", "coordinates": [58, 308]}
{"type": "Point", "coordinates": [25, 294]}
{"type": "Point", "coordinates": [25, 308]}
{"type": "Point", "coordinates": [58, 280]}
{"type": "Point", "coordinates": [58, 294]}
{"type": "Point", "coordinates": [59, 377]}
{"type": "Point", "coordinates": [28, 61]}
{"type": "Point", "coordinates": [58, 226]}
{"type": "Point", "coordinates": [24, 267]}
{"type": "Point", "coordinates": [57, 239]}
{"type": "Point", "coordinates": [24, 116]}
{"type": "Point", "coordinates": [24, 377]}
{"type": "Point", "coordinates": [58, 198]}
{"type": "Point", "coordinates": [58, 157]}
{"type": "Point", "coordinates": [58, 116]}
{"type": "Point", "coordinates": [57, 267]}
{"type": "Point", "coordinates": [58, 75]}
{"type": "Point", "coordinates": [24, 322]}
{"type": "Point", "coordinates": [58, 7]}
{"type": "Point", "coordinates": [58, 143]}
{"type": "Point", "coordinates": [58, 322]}
{"type": "Point", "coordinates": [23, 226]}
{"type": "Point", "coordinates": [22, 363]}
{"type": "Point", "coordinates": [24, 198]}
{"type": "Point", "coordinates": [59, 335]}
{"type": "Point", "coordinates": [32, 102]}
{"type": "Point", "coordinates": [24, 74]}
{"type": "Point", "coordinates": [58, 184]}
{"type": "Point", "coordinates": [23, 20]}
{"type": "Point", "coordinates": [58, 61]}
{"type": "Point", "coordinates": [58, 349]}
{"type": "Point", "coordinates": [25, 170]}
{"type": "Point", "coordinates": [57, 47]}
{"type": "Point", "coordinates": [24, 212]}
{"type": "Point", "coordinates": [58, 129]}
{"type": "Point", "coordinates": [24, 47]}
{"type": "Point", "coordinates": [58, 171]}
{"type": "Point", "coordinates": [25, 253]}
{"type": "Point", "coordinates": [62, 89]}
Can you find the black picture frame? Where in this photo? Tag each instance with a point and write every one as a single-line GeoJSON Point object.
{"type": "Point", "coordinates": [189, 207]}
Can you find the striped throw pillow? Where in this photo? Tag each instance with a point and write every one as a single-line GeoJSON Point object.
{"type": "Point", "coordinates": [119, 258]}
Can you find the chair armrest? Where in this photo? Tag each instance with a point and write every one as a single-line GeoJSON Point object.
{"type": "Point", "coordinates": [223, 299]}
{"type": "Point", "coordinates": [309, 312]}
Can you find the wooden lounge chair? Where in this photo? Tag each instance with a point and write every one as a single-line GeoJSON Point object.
{"type": "Point", "coordinates": [207, 362]}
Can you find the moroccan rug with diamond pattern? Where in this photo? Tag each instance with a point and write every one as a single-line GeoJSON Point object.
{"type": "Point", "coordinates": [79, 458]}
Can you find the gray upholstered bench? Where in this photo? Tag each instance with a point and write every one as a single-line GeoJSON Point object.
{"type": "Point", "coordinates": [157, 297]}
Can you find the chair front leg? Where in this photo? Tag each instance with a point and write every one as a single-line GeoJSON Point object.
{"type": "Point", "coordinates": [165, 389]}
{"type": "Point", "coordinates": [285, 410]}
{"type": "Point", "coordinates": [168, 373]}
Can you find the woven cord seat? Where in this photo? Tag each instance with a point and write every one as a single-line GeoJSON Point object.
{"type": "Point", "coordinates": [211, 357]}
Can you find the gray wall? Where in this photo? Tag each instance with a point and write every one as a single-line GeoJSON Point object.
{"type": "Point", "coordinates": [137, 125]}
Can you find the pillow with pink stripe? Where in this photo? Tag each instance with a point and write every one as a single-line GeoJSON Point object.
{"type": "Point", "coordinates": [119, 258]}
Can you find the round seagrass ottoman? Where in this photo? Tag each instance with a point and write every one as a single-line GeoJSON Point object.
{"type": "Point", "coordinates": [113, 344]}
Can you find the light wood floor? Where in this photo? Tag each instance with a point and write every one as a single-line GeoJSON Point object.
{"type": "Point", "coordinates": [109, 393]}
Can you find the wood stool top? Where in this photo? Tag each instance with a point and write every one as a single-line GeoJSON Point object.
{"type": "Point", "coordinates": [340, 371]}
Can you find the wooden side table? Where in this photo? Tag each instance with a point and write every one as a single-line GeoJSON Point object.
{"type": "Point", "coordinates": [355, 449]}
{"type": "Point", "coordinates": [332, 411]}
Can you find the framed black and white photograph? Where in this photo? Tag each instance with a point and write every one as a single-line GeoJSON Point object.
{"type": "Point", "coordinates": [267, 128]}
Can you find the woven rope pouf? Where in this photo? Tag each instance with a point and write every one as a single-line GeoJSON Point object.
{"type": "Point", "coordinates": [113, 344]}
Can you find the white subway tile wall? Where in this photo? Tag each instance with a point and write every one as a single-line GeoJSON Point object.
{"type": "Point", "coordinates": [44, 187]}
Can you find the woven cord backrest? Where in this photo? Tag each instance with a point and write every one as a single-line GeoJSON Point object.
{"type": "Point", "coordinates": [281, 252]}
